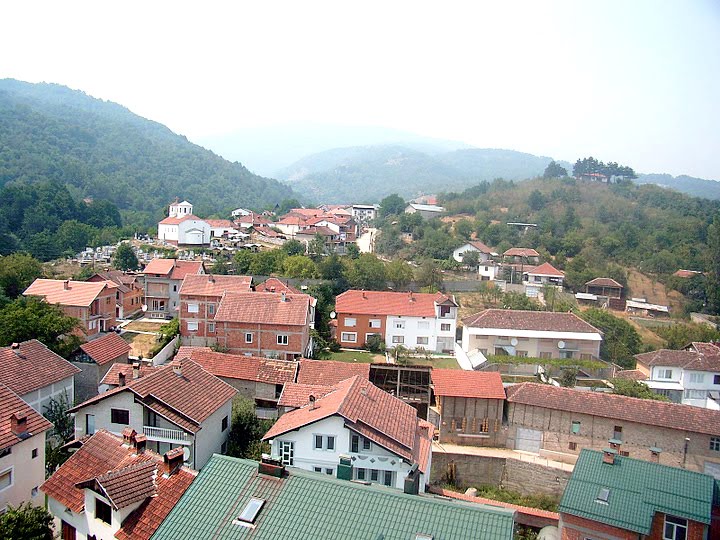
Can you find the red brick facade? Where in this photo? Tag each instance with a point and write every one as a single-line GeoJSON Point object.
{"type": "Point", "coordinates": [577, 528]}
{"type": "Point", "coordinates": [360, 329]}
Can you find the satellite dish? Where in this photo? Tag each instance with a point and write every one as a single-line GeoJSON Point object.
{"type": "Point", "coordinates": [513, 342]}
{"type": "Point", "coordinates": [561, 344]}
{"type": "Point", "coordinates": [333, 314]}
{"type": "Point", "coordinates": [144, 307]}
{"type": "Point", "coordinates": [186, 453]}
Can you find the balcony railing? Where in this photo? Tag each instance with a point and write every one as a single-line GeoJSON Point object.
{"type": "Point", "coordinates": [166, 435]}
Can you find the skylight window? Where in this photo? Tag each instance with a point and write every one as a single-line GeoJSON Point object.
{"type": "Point", "coordinates": [603, 496]}
{"type": "Point", "coordinates": [251, 510]}
{"type": "Point", "coordinates": [423, 536]}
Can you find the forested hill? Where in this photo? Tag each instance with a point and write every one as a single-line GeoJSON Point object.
{"type": "Point", "coordinates": [101, 150]}
{"type": "Point", "coordinates": [338, 175]}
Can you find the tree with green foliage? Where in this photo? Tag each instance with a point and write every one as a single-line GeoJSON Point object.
{"type": "Point", "coordinates": [636, 389]}
{"type": "Point", "coordinates": [125, 258]}
{"type": "Point", "coordinates": [352, 251]}
{"type": "Point", "coordinates": [620, 340]}
{"type": "Point", "coordinates": [26, 522]}
{"type": "Point", "coordinates": [367, 272]}
{"type": "Point", "coordinates": [294, 247]}
{"type": "Point", "coordinates": [429, 276]}
{"type": "Point", "coordinates": [63, 431]}
{"type": "Point", "coordinates": [334, 268]}
{"type": "Point", "coordinates": [713, 279]}
{"type": "Point", "coordinates": [518, 301]}
{"type": "Point", "coordinates": [286, 205]}
{"type": "Point", "coordinates": [399, 273]}
{"type": "Point", "coordinates": [267, 262]}
{"type": "Point", "coordinates": [680, 335]}
{"type": "Point", "coordinates": [392, 205]}
{"type": "Point", "coordinates": [31, 318]}
{"type": "Point", "coordinates": [17, 272]}
{"type": "Point", "coordinates": [536, 200]}
{"type": "Point", "coordinates": [471, 259]}
{"type": "Point", "coordinates": [316, 247]}
{"type": "Point", "coordinates": [464, 229]}
{"type": "Point", "coordinates": [568, 377]}
{"type": "Point", "coordinates": [247, 430]}
{"type": "Point", "coordinates": [241, 261]}
{"type": "Point", "coordinates": [299, 266]}
{"type": "Point", "coordinates": [554, 170]}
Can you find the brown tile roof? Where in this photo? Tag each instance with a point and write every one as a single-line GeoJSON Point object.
{"type": "Point", "coordinates": [545, 269]}
{"type": "Point", "coordinates": [543, 321]}
{"type": "Point", "coordinates": [329, 372]}
{"type": "Point", "coordinates": [247, 368]}
{"type": "Point", "coordinates": [173, 268]}
{"type": "Point", "coordinates": [225, 223]}
{"type": "Point", "coordinates": [67, 293]}
{"type": "Point", "coordinates": [114, 276]}
{"type": "Point", "coordinates": [642, 411]}
{"type": "Point", "coordinates": [319, 229]}
{"type": "Point", "coordinates": [468, 384]}
{"type": "Point", "coordinates": [176, 220]}
{"type": "Point", "coordinates": [212, 285]}
{"type": "Point", "coordinates": [407, 304]}
{"type": "Point", "coordinates": [276, 285]}
{"type": "Point", "coordinates": [521, 252]}
{"type": "Point", "coordinates": [106, 348]}
{"type": "Point", "coordinates": [127, 485]}
{"type": "Point", "coordinates": [185, 351]}
{"type": "Point", "coordinates": [264, 308]}
{"type": "Point", "coordinates": [267, 231]}
{"type": "Point", "coordinates": [31, 366]}
{"type": "Point", "coordinates": [686, 273]}
{"type": "Point", "coordinates": [367, 410]}
{"type": "Point", "coordinates": [631, 374]}
{"type": "Point", "coordinates": [296, 395]}
{"type": "Point", "coordinates": [698, 357]}
{"type": "Point", "coordinates": [482, 248]}
{"type": "Point", "coordinates": [603, 282]}
{"type": "Point", "coordinates": [11, 404]}
{"type": "Point", "coordinates": [160, 267]}
{"type": "Point", "coordinates": [112, 376]}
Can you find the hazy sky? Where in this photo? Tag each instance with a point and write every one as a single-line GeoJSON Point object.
{"type": "Point", "coordinates": [631, 81]}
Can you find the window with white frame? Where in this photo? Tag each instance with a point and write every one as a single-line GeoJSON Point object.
{"type": "Point", "coordinates": [399, 324]}
{"type": "Point", "coordinates": [324, 442]}
{"type": "Point", "coordinates": [192, 326]}
{"type": "Point", "coordinates": [248, 337]}
{"type": "Point", "coordinates": [193, 308]}
{"type": "Point", "coordinates": [350, 321]}
{"type": "Point", "coordinates": [697, 377]}
{"type": "Point", "coordinates": [358, 443]}
{"type": "Point", "coordinates": [6, 479]}
{"type": "Point", "coordinates": [423, 325]}
{"type": "Point", "coordinates": [422, 340]}
{"type": "Point", "coordinates": [665, 374]}
{"type": "Point", "coordinates": [398, 339]}
{"type": "Point", "coordinates": [375, 323]}
{"type": "Point", "coordinates": [211, 327]}
{"type": "Point", "coordinates": [444, 327]}
{"type": "Point", "coordinates": [286, 450]}
{"type": "Point", "coordinates": [282, 339]}
{"type": "Point", "coordinates": [348, 337]}
{"type": "Point", "coordinates": [211, 309]}
{"type": "Point", "coordinates": [675, 528]}
{"type": "Point", "coordinates": [715, 444]}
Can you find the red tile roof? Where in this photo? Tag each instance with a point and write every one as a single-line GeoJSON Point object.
{"type": "Point", "coordinates": [112, 377]}
{"type": "Point", "coordinates": [275, 285]}
{"type": "Point", "coordinates": [125, 486]}
{"type": "Point", "coordinates": [173, 268]}
{"type": "Point", "coordinates": [329, 372]}
{"type": "Point", "coordinates": [367, 410]}
{"type": "Point", "coordinates": [247, 368]}
{"type": "Point", "coordinates": [106, 348]}
{"type": "Point", "coordinates": [214, 285]}
{"type": "Point", "coordinates": [698, 357]}
{"type": "Point", "coordinates": [176, 220]}
{"type": "Point", "coordinates": [686, 273]}
{"type": "Point", "coordinates": [407, 304]}
{"type": "Point", "coordinates": [296, 395]}
{"type": "Point", "coordinates": [631, 374]}
{"type": "Point", "coordinates": [482, 248]}
{"type": "Point", "coordinates": [68, 293]}
{"type": "Point", "coordinates": [545, 269]}
{"type": "Point", "coordinates": [265, 308]}
{"type": "Point", "coordinates": [603, 282]}
{"type": "Point", "coordinates": [521, 252]}
{"type": "Point", "coordinates": [31, 366]}
{"type": "Point", "coordinates": [160, 267]}
{"type": "Point", "coordinates": [11, 404]}
{"type": "Point", "coordinates": [319, 229]}
{"type": "Point", "coordinates": [224, 223]}
{"type": "Point", "coordinates": [468, 384]}
{"type": "Point", "coordinates": [543, 321]}
{"type": "Point", "coordinates": [642, 411]}
{"type": "Point", "coordinates": [185, 351]}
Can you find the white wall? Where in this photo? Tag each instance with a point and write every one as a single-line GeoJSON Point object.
{"type": "Point", "coordinates": [458, 253]}
{"type": "Point", "coordinates": [415, 327]}
{"type": "Point", "coordinates": [40, 398]}
{"type": "Point", "coordinates": [211, 437]}
{"type": "Point", "coordinates": [101, 410]}
{"type": "Point", "coordinates": [27, 473]}
{"type": "Point", "coordinates": [187, 235]}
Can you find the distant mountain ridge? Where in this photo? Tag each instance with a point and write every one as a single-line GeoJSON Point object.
{"type": "Point", "coordinates": [101, 150]}
{"type": "Point", "coordinates": [697, 187]}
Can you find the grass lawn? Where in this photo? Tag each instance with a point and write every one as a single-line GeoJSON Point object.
{"type": "Point", "coordinates": [140, 344]}
{"type": "Point", "coordinates": [357, 356]}
{"type": "Point", "coordinates": [144, 326]}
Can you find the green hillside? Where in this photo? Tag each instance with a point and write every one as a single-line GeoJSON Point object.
{"type": "Point", "coordinates": [103, 151]}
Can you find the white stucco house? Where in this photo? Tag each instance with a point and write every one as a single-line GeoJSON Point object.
{"type": "Point", "coordinates": [179, 404]}
{"type": "Point", "coordinates": [183, 228]}
{"type": "Point", "coordinates": [483, 251]}
{"type": "Point", "coordinates": [378, 434]}
{"type": "Point", "coordinates": [22, 451]}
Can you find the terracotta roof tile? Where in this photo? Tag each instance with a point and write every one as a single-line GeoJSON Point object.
{"type": "Point", "coordinates": [185, 351]}
{"type": "Point", "coordinates": [603, 282]}
{"type": "Point", "coordinates": [529, 320]}
{"type": "Point", "coordinates": [217, 223]}
{"type": "Point", "coordinates": [686, 273]}
{"type": "Point", "coordinates": [521, 252]}
{"type": "Point", "coordinates": [31, 366]}
{"type": "Point", "coordinates": [329, 372]}
{"type": "Point", "coordinates": [264, 308]}
{"type": "Point", "coordinates": [160, 267]}
{"type": "Point", "coordinates": [247, 368]}
{"type": "Point", "coordinates": [183, 268]}
{"type": "Point", "coordinates": [297, 395]}
{"type": "Point", "coordinates": [67, 293]}
{"type": "Point", "coordinates": [698, 357]}
{"type": "Point", "coordinates": [173, 268]}
{"type": "Point", "coordinates": [642, 411]}
{"type": "Point", "coordinates": [469, 384]}
{"type": "Point", "coordinates": [106, 348]}
{"type": "Point", "coordinates": [389, 303]}
{"type": "Point", "coordinates": [545, 269]}
{"type": "Point", "coordinates": [276, 285]}
{"type": "Point", "coordinates": [482, 248]}
{"type": "Point", "coordinates": [112, 378]}
{"type": "Point", "coordinates": [129, 484]}
{"type": "Point", "coordinates": [11, 404]}
{"type": "Point", "coordinates": [631, 374]}
{"type": "Point", "coordinates": [214, 285]}
{"type": "Point", "coordinates": [176, 220]}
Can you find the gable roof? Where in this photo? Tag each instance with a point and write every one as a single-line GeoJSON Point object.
{"type": "Point", "coordinates": [296, 395]}
{"type": "Point", "coordinates": [637, 490]}
{"type": "Point", "coordinates": [407, 304]}
{"type": "Point", "coordinates": [697, 357]}
{"type": "Point", "coordinates": [11, 404]}
{"type": "Point", "coordinates": [247, 368]}
{"type": "Point", "coordinates": [179, 219]}
{"type": "Point", "coordinates": [378, 416]}
{"type": "Point", "coordinates": [125, 282]}
{"type": "Point", "coordinates": [329, 372]}
{"type": "Point", "coordinates": [265, 308]}
{"type": "Point", "coordinates": [221, 223]}
{"type": "Point", "coordinates": [305, 505]}
{"type": "Point", "coordinates": [545, 269]}
{"type": "Point", "coordinates": [68, 292]}
{"type": "Point", "coordinates": [482, 248]}
{"type": "Point", "coordinates": [276, 285]}
{"type": "Point", "coordinates": [684, 418]}
{"type": "Point", "coordinates": [603, 282]}
{"type": "Point", "coordinates": [106, 348]}
{"type": "Point", "coordinates": [467, 384]}
{"type": "Point", "coordinates": [631, 374]}
{"type": "Point", "coordinates": [686, 273]}
{"type": "Point", "coordinates": [125, 486]}
{"type": "Point", "coordinates": [31, 365]}
{"type": "Point", "coordinates": [173, 268]}
{"type": "Point", "coordinates": [539, 321]}
{"type": "Point", "coordinates": [521, 252]}
{"type": "Point", "coordinates": [112, 377]}
{"type": "Point", "coordinates": [214, 285]}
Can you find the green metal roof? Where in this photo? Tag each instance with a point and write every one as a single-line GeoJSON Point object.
{"type": "Point", "coordinates": [312, 505]}
{"type": "Point", "coordinates": [637, 490]}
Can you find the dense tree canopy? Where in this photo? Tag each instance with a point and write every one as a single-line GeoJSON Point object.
{"type": "Point", "coordinates": [17, 272]}
{"type": "Point", "coordinates": [125, 258]}
{"type": "Point", "coordinates": [620, 340]}
{"type": "Point", "coordinates": [553, 170]}
{"type": "Point", "coordinates": [27, 522]}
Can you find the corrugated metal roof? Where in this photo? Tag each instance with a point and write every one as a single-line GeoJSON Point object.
{"type": "Point", "coordinates": [311, 505]}
{"type": "Point", "coordinates": [637, 490]}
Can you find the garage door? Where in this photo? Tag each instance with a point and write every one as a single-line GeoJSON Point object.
{"type": "Point", "coordinates": [713, 469]}
{"type": "Point", "coordinates": [528, 440]}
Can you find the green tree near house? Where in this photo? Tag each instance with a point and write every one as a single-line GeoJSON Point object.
{"type": "Point", "coordinates": [620, 340]}
{"type": "Point", "coordinates": [247, 430]}
{"type": "Point", "coordinates": [636, 389]}
{"type": "Point", "coordinates": [17, 272]}
{"type": "Point", "coordinates": [63, 431]}
{"type": "Point", "coordinates": [553, 170]}
{"type": "Point", "coordinates": [392, 205]}
{"type": "Point", "coordinates": [26, 522]}
{"type": "Point", "coordinates": [399, 273]}
{"type": "Point", "coordinates": [125, 258]}
{"type": "Point", "coordinates": [713, 279]}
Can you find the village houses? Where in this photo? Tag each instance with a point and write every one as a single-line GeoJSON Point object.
{"type": "Point", "coordinates": [182, 228]}
{"type": "Point", "coordinates": [94, 359]}
{"type": "Point", "coordinates": [163, 279]}
{"type": "Point", "coordinates": [129, 292]}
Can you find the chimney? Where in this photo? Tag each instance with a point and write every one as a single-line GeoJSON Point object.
{"type": "Point", "coordinates": [364, 295]}
{"type": "Point", "coordinates": [128, 435]}
{"type": "Point", "coordinates": [121, 379]}
{"type": "Point", "coordinates": [283, 297]}
{"type": "Point", "coordinates": [176, 367]}
{"type": "Point", "coordinates": [312, 400]}
{"type": "Point", "coordinates": [271, 467]}
{"type": "Point", "coordinates": [412, 481]}
{"type": "Point", "coordinates": [172, 460]}
{"type": "Point", "coordinates": [140, 443]}
{"type": "Point", "coordinates": [211, 278]}
{"type": "Point", "coordinates": [15, 346]}
{"type": "Point", "coordinates": [66, 285]}
{"type": "Point", "coordinates": [18, 423]}
{"type": "Point", "coordinates": [609, 456]}
{"type": "Point", "coordinates": [136, 370]}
